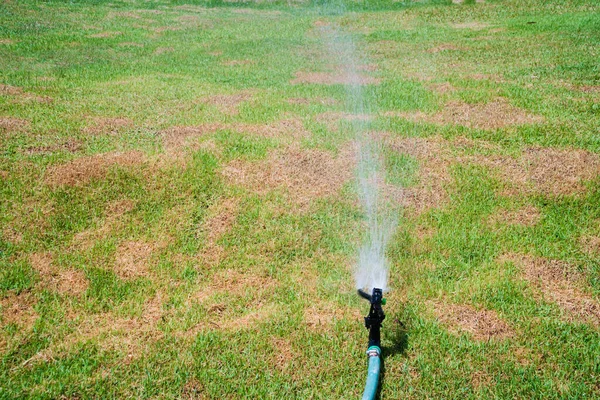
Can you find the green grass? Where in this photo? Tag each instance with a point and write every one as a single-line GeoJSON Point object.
{"type": "Point", "coordinates": [179, 327]}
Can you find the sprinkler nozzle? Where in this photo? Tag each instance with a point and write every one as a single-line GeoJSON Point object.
{"type": "Point", "coordinates": [376, 315]}
{"type": "Point", "coordinates": [364, 294]}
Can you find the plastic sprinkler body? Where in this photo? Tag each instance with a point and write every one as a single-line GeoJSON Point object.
{"type": "Point", "coordinates": [376, 315]}
{"type": "Point", "coordinates": [373, 324]}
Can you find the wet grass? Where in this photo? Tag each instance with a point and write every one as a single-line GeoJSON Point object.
{"type": "Point", "coordinates": [267, 308]}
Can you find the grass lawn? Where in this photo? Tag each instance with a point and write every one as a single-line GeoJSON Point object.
{"type": "Point", "coordinates": [179, 216]}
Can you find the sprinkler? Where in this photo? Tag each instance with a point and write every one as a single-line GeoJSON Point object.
{"type": "Point", "coordinates": [373, 324]}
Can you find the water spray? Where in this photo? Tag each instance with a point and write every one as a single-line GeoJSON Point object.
{"type": "Point", "coordinates": [371, 271]}
{"type": "Point", "coordinates": [373, 324]}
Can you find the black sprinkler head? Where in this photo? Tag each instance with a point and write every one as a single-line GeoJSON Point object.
{"type": "Point", "coordinates": [376, 315]}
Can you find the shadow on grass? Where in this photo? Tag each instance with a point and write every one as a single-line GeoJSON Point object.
{"type": "Point", "coordinates": [396, 343]}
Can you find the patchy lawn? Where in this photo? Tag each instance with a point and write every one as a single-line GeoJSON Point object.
{"type": "Point", "coordinates": [178, 214]}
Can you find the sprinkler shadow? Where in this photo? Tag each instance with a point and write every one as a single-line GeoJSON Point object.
{"type": "Point", "coordinates": [397, 339]}
{"type": "Point", "coordinates": [396, 343]}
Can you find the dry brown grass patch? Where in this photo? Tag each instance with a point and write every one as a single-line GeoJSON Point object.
{"type": "Point", "coordinates": [188, 18]}
{"type": "Point", "coordinates": [320, 316]}
{"type": "Point", "coordinates": [422, 75]}
{"type": "Point", "coordinates": [131, 44]}
{"type": "Point", "coordinates": [18, 309]}
{"type": "Point", "coordinates": [526, 357]}
{"type": "Point", "coordinates": [525, 216]}
{"type": "Point", "coordinates": [481, 324]}
{"type": "Point", "coordinates": [299, 101]}
{"type": "Point", "coordinates": [441, 88]}
{"type": "Point", "coordinates": [559, 282]}
{"type": "Point", "coordinates": [386, 48]}
{"type": "Point", "coordinates": [489, 116]}
{"type": "Point", "coordinates": [115, 218]}
{"type": "Point", "coordinates": [481, 379]}
{"type": "Point", "coordinates": [130, 335]}
{"type": "Point", "coordinates": [486, 77]}
{"type": "Point", "coordinates": [444, 47]}
{"type": "Point", "coordinates": [284, 354]}
{"type": "Point", "coordinates": [544, 170]}
{"type": "Point", "coordinates": [9, 124]}
{"type": "Point", "coordinates": [161, 29]}
{"type": "Point", "coordinates": [219, 319]}
{"type": "Point", "coordinates": [82, 170]}
{"type": "Point", "coordinates": [125, 14]}
{"type": "Point", "coordinates": [194, 390]}
{"type": "Point", "coordinates": [154, 12]}
{"type": "Point", "coordinates": [10, 90]}
{"type": "Point", "coordinates": [328, 101]}
{"type": "Point", "coordinates": [590, 89]}
{"type": "Point", "coordinates": [133, 258]}
{"type": "Point", "coordinates": [21, 96]}
{"type": "Point", "coordinates": [64, 281]}
{"type": "Point", "coordinates": [163, 50]}
{"type": "Point", "coordinates": [228, 103]}
{"type": "Point", "coordinates": [476, 26]}
{"type": "Point", "coordinates": [107, 125]}
{"type": "Point", "coordinates": [332, 119]}
{"type": "Point", "coordinates": [591, 244]}
{"type": "Point", "coordinates": [179, 136]}
{"type": "Point", "coordinates": [222, 217]}
{"type": "Point", "coordinates": [71, 145]}
{"type": "Point", "coordinates": [559, 172]}
{"type": "Point", "coordinates": [105, 34]}
{"type": "Point", "coordinates": [249, 320]}
{"type": "Point", "coordinates": [333, 78]}
{"type": "Point", "coordinates": [27, 97]}
{"type": "Point", "coordinates": [239, 284]}
{"type": "Point", "coordinates": [211, 254]}
{"type": "Point", "coordinates": [234, 63]}
{"type": "Point", "coordinates": [304, 174]}
{"type": "Point", "coordinates": [367, 67]}
{"type": "Point", "coordinates": [119, 207]}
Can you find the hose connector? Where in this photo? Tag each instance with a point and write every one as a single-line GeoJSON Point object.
{"type": "Point", "coordinates": [373, 351]}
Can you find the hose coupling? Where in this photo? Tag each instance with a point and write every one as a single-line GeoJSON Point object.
{"type": "Point", "coordinates": [373, 351]}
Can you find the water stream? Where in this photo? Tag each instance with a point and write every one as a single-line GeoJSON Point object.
{"type": "Point", "coordinates": [380, 218]}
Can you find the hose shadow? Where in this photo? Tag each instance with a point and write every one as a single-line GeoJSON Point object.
{"type": "Point", "coordinates": [396, 343]}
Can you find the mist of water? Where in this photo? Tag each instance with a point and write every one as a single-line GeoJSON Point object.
{"type": "Point", "coordinates": [372, 267]}
{"type": "Point", "coordinates": [381, 220]}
